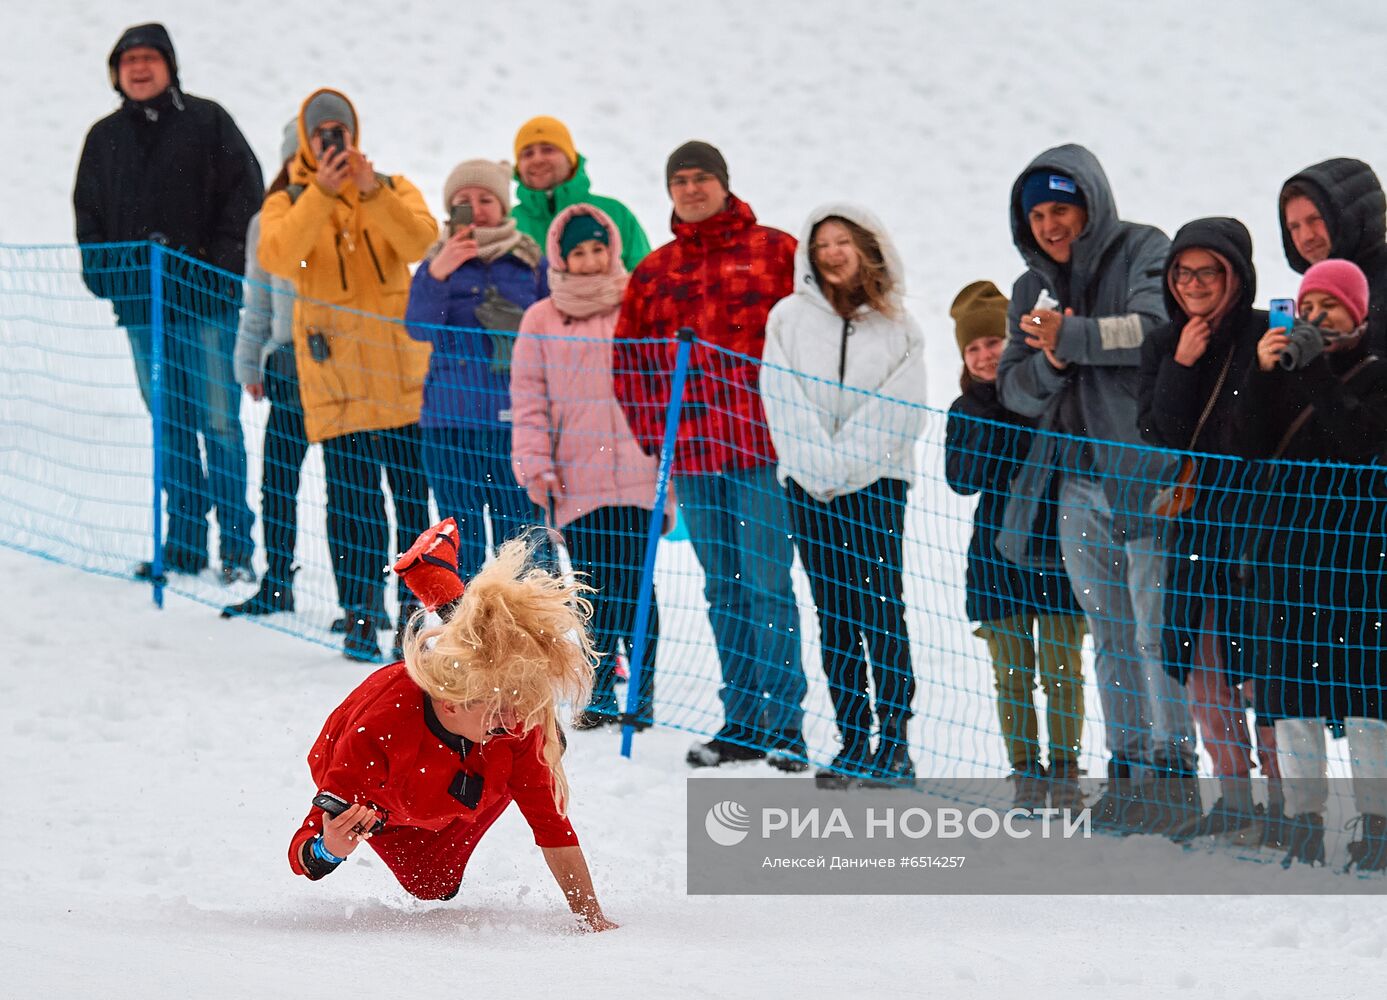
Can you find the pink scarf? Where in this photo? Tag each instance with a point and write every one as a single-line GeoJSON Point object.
{"type": "Point", "coordinates": [584, 295]}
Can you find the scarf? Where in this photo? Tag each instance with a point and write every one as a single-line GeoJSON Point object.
{"type": "Point", "coordinates": [495, 242]}
{"type": "Point", "coordinates": [582, 295]}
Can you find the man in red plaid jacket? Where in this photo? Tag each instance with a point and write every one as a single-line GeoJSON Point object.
{"type": "Point", "coordinates": [720, 276]}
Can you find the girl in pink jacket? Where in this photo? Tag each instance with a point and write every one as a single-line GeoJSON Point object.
{"type": "Point", "coordinates": [572, 450]}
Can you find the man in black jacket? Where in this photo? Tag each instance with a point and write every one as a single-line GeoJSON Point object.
{"type": "Point", "coordinates": [1337, 209]}
{"type": "Point", "coordinates": [174, 169]}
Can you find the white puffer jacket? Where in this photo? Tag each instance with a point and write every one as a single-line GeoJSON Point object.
{"type": "Point", "coordinates": [843, 398]}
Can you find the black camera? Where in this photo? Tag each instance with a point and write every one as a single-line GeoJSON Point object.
{"type": "Point", "coordinates": [1305, 343]}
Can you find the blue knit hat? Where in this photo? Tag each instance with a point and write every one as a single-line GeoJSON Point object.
{"type": "Point", "coordinates": [579, 229]}
{"type": "Point", "coordinates": [1041, 186]}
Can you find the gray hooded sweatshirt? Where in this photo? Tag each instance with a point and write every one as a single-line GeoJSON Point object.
{"type": "Point", "coordinates": [1115, 285]}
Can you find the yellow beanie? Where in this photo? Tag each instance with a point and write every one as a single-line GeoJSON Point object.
{"type": "Point", "coordinates": [979, 311]}
{"type": "Point", "coordinates": [546, 129]}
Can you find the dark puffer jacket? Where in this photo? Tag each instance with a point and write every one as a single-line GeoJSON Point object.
{"type": "Point", "coordinates": [1316, 554]}
{"type": "Point", "coordinates": [1350, 198]}
{"type": "Point", "coordinates": [175, 170]}
{"type": "Point", "coordinates": [983, 444]}
{"type": "Point", "coordinates": [1206, 540]}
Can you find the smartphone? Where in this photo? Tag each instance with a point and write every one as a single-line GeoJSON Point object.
{"type": "Point", "coordinates": [459, 218]}
{"type": "Point", "coordinates": [335, 806]}
{"type": "Point", "coordinates": [318, 348]}
{"type": "Point", "coordinates": [1282, 313]}
{"type": "Point", "coordinates": [333, 138]}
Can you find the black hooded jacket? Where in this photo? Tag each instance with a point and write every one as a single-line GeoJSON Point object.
{"type": "Point", "coordinates": [175, 170]}
{"type": "Point", "coordinates": [1171, 397]}
{"type": "Point", "coordinates": [1206, 540]}
{"type": "Point", "coordinates": [1351, 201]}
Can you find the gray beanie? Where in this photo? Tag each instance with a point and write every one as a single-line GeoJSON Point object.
{"type": "Point", "coordinates": [289, 145]}
{"type": "Point", "coordinates": [328, 106]}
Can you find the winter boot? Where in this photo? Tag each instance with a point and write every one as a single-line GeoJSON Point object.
{"type": "Point", "coordinates": [853, 763]}
{"type": "Point", "coordinates": [891, 764]}
{"type": "Point", "coordinates": [1029, 785]}
{"type": "Point", "coordinates": [1170, 799]}
{"type": "Point", "coordinates": [1305, 842]}
{"type": "Point", "coordinates": [1233, 817]}
{"type": "Point", "coordinates": [789, 754]}
{"type": "Point", "coordinates": [273, 597]}
{"type": "Point", "coordinates": [175, 561]}
{"type": "Point", "coordinates": [359, 643]}
{"type": "Point", "coordinates": [236, 571]}
{"type": "Point", "coordinates": [717, 752]}
{"type": "Point", "coordinates": [1120, 807]}
{"type": "Point", "coordinates": [1369, 851]}
{"type": "Point", "coordinates": [380, 621]}
{"type": "Point", "coordinates": [1275, 833]}
{"type": "Point", "coordinates": [1065, 790]}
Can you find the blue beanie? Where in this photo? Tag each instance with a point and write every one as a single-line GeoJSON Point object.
{"type": "Point", "coordinates": [1041, 186]}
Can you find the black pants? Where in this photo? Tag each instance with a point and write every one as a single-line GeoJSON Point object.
{"type": "Point", "coordinates": [609, 545]}
{"type": "Point", "coordinates": [357, 529]}
{"type": "Point", "coordinates": [285, 448]}
{"type": "Point", "coordinates": [851, 548]}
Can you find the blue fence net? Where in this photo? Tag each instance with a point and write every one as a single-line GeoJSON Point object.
{"type": "Point", "coordinates": [859, 613]}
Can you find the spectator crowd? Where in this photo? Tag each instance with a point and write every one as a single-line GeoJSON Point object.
{"type": "Point", "coordinates": [516, 364]}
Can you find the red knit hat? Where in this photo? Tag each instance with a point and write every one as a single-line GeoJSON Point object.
{"type": "Point", "coordinates": [1342, 279]}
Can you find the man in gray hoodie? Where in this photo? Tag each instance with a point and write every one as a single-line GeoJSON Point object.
{"type": "Point", "coordinates": [1092, 291]}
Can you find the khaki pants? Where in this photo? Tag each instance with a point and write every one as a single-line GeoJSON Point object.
{"type": "Point", "coordinates": [1018, 645]}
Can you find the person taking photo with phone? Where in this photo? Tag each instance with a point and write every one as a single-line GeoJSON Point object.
{"type": "Point", "coordinates": [428, 753]}
{"type": "Point", "coordinates": [346, 235]}
{"type": "Point", "coordinates": [1315, 560]}
{"type": "Point", "coordinates": [467, 299]}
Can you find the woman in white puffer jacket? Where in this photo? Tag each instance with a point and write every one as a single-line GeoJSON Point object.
{"type": "Point", "coordinates": [842, 382]}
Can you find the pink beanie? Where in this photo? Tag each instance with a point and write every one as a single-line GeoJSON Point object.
{"type": "Point", "coordinates": [1342, 279]}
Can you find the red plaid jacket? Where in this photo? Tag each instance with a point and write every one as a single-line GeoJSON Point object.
{"type": "Point", "coordinates": [719, 276]}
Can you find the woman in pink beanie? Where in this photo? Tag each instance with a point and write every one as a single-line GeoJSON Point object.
{"type": "Point", "coordinates": [1316, 563]}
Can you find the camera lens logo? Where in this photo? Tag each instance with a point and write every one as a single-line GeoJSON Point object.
{"type": "Point", "coordinates": [727, 823]}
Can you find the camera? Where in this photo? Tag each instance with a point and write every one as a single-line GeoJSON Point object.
{"type": "Point", "coordinates": [1305, 342]}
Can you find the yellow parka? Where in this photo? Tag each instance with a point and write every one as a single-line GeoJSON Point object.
{"type": "Point", "coordinates": [349, 259]}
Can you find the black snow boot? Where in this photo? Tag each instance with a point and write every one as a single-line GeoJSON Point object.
{"type": "Point", "coordinates": [1369, 852]}
{"type": "Point", "coordinates": [1120, 808]}
{"type": "Point", "coordinates": [360, 643]}
{"type": "Point", "coordinates": [853, 763]}
{"type": "Point", "coordinates": [1170, 800]}
{"type": "Point", "coordinates": [275, 595]}
{"type": "Point", "coordinates": [891, 764]}
{"type": "Point", "coordinates": [1305, 841]}
{"type": "Point", "coordinates": [1029, 785]}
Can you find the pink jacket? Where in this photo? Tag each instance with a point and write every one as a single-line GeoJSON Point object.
{"type": "Point", "coordinates": [565, 417]}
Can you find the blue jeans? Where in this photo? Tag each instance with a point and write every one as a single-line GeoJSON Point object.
{"type": "Point", "coordinates": [201, 397]}
{"type": "Point", "coordinates": [739, 524]}
{"type": "Point", "coordinates": [469, 469]}
{"type": "Point", "coordinates": [1120, 584]}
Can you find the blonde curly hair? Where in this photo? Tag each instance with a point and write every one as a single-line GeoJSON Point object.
{"type": "Point", "coordinates": [518, 639]}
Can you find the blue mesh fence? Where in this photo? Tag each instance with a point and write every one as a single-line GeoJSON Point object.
{"type": "Point", "coordinates": [861, 607]}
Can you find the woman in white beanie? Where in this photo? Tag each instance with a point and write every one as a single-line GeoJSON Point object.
{"type": "Point", "coordinates": [466, 300]}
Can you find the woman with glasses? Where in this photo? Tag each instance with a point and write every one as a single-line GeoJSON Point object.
{"type": "Point", "coordinates": [425, 755]}
{"type": "Point", "coordinates": [1191, 370]}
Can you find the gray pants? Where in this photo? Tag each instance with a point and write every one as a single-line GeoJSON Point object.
{"type": "Point", "coordinates": [1304, 759]}
{"type": "Point", "coordinates": [1120, 584]}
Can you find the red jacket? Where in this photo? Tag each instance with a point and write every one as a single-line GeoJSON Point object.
{"type": "Point", "coordinates": [719, 276]}
{"type": "Point", "coordinates": [382, 746]}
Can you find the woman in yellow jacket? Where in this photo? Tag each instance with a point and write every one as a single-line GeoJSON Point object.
{"type": "Point", "coordinates": [345, 236]}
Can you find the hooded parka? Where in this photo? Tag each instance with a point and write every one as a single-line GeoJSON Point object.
{"type": "Point", "coordinates": [349, 258]}
{"type": "Point", "coordinates": [844, 398]}
{"type": "Point", "coordinates": [1113, 283]}
{"type": "Point", "coordinates": [1206, 540]}
{"type": "Point", "coordinates": [1351, 201]}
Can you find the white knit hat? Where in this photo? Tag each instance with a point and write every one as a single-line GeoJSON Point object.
{"type": "Point", "coordinates": [492, 175]}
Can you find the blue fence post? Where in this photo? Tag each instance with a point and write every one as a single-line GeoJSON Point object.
{"type": "Point", "coordinates": [156, 405]}
{"type": "Point", "coordinates": [652, 538]}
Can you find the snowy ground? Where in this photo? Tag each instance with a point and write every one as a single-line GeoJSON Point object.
{"type": "Point", "coordinates": [157, 758]}
{"type": "Point", "coordinates": [154, 772]}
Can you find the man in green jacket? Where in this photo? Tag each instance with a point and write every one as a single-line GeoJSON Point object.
{"type": "Point", "coordinates": [551, 175]}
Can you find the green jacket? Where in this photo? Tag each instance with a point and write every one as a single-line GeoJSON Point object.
{"type": "Point", "coordinates": [535, 210]}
